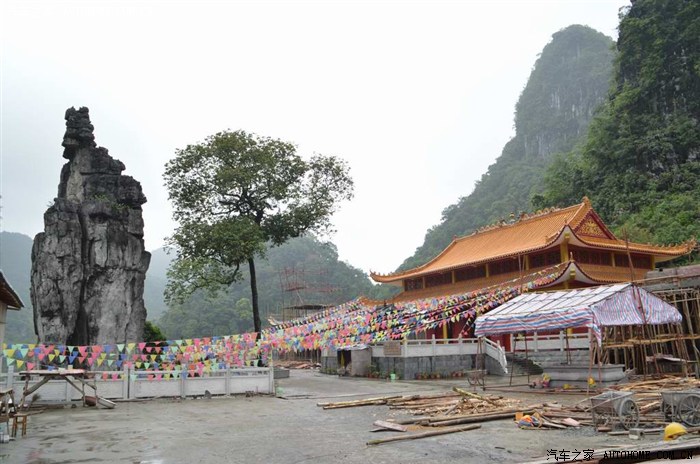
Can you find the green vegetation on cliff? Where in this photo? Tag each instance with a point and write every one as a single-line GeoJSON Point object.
{"type": "Point", "coordinates": [567, 84]}
{"type": "Point", "coordinates": [640, 163]}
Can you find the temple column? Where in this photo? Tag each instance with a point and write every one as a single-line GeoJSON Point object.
{"type": "Point", "coordinates": [564, 248]}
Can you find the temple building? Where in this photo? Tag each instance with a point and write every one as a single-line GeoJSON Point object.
{"type": "Point", "coordinates": [574, 239]}
{"type": "Point", "coordinates": [571, 245]}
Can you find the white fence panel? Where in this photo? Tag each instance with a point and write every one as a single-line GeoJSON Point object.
{"type": "Point", "coordinates": [148, 385]}
{"type": "Point", "coordinates": [431, 347]}
{"type": "Point", "coordinates": [144, 388]}
{"type": "Point", "coordinates": [197, 386]}
{"type": "Point", "coordinates": [256, 380]}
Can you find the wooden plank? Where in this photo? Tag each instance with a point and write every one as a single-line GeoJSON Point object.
{"type": "Point", "coordinates": [352, 405]}
{"type": "Point", "coordinates": [86, 383]}
{"type": "Point", "coordinates": [35, 387]}
{"type": "Point", "coordinates": [363, 402]}
{"type": "Point", "coordinates": [571, 422]}
{"type": "Point", "coordinates": [431, 433]}
{"type": "Point", "coordinates": [461, 391]}
{"type": "Point", "coordinates": [390, 426]}
{"type": "Point", "coordinates": [473, 418]}
{"type": "Point", "coordinates": [70, 382]}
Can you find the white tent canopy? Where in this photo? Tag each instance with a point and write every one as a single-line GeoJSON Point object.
{"type": "Point", "coordinates": [594, 307]}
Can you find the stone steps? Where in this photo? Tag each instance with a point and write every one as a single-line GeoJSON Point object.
{"type": "Point", "coordinates": [521, 366]}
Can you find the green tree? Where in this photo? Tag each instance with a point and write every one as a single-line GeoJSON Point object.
{"type": "Point", "coordinates": [152, 333]}
{"type": "Point", "coordinates": [237, 192]}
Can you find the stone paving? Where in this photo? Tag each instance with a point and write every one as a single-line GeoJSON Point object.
{"type": "Point", "coordinates": [289, 430]}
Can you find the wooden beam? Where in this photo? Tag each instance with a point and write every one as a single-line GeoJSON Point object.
{"type": "Point", "coordinates": [384, 425]}
{"type": "Point", "coordinates": [475, 418]}
{"type": "Point", "coordinates": [461, 391]}
{"type": "Point", "coordinates": [431, 433]}
{"type": "Point", "coordinates": [35, 387]}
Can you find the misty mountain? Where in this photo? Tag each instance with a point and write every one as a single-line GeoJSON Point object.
{"type": "Point", "coordinates": [569, 81]}
{"type": "Point", "coordinates": [16, 264]}
{"type": "Point", "coordinates": [154, 286]}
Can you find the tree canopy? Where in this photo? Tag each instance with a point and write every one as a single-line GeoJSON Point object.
{"type": "Point", "coordinates": [237, 192]}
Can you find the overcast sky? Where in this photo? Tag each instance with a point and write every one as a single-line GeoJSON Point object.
{"type": "Point", "coordinates": [418, 97]}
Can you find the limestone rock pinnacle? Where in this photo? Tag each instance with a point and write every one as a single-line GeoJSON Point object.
{"type": "Point", "coordinates": [89, 264]}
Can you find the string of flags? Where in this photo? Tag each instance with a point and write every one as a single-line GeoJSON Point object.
{"type": "Point", "coordinates": [358, 322]}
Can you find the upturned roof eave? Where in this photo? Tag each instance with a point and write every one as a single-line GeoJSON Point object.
{"type": "Point", "coordinates": [577, 214]}
{"type": "Point", "coordinates": [553, 240]}
{"type": "Point", "coordinates": [8, 294]}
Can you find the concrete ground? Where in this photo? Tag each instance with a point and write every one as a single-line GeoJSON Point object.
{"type": "Point", "coordinates": [292, 430]}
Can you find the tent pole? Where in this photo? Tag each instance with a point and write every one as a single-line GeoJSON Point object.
{"type": "Point", "coordinates": [512, 368]}
{"type": "Point", "coordinates": [600, 366]}
{"type": "Point", "coordinates": [590, 361]}
{"type": "Point", "coordinates": [482, 363]}
{"type": "Point", "coordinates": [527, 368]}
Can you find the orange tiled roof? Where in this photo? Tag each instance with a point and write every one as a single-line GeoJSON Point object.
{"type": "Point", "coordinates": [590, 274]}
{"type": "Point", "coordinates": [473, 284]}
{"type": "Point", "coordinates": [529, 234]}
{"type": "Point", "coordinates": [663, 253]}
{"type": "Point", "coordinates": [556, 275]}
{"type": "Point", "coordinates": [610, 275]}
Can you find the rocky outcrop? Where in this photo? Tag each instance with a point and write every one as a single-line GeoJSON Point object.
{"type": "Point", "coordinates": [89, 264]}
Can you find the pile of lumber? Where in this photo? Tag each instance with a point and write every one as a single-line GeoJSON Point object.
{"type": "Point", "coordinates": [354, 403]}
{"type": "Point", "coordinates": [659, 384]}
{"type": "Point", "coordinates": [458, 402]}
{"type": "Point", "coordinates": [297, 364]}
{"type": "Point", "coordinates": [459, 409]}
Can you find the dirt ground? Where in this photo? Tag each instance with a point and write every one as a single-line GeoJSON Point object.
{"type": "Point", "coordinates": [290, 430]}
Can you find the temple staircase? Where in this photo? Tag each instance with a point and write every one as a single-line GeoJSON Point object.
{"type": "Point", "coordinates": [522, 366]}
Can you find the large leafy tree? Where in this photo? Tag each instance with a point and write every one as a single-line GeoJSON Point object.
{"type": "Point", "coordinates": [236, 193]}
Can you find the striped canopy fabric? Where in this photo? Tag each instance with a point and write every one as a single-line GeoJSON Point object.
{"type": "Point", "coordinates": [595, 307]}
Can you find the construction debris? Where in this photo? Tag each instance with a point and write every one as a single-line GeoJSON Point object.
{"type": "Point", "coordinates": [461, 408]}
{"type": "Point", "coordinates": [662, 383]}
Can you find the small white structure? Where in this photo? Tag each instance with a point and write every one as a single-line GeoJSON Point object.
{"type": "Point", "coordinates": [8, 300]}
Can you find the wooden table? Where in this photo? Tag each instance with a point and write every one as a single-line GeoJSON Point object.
{"type": "Point", "coordinates": [76, 378]}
